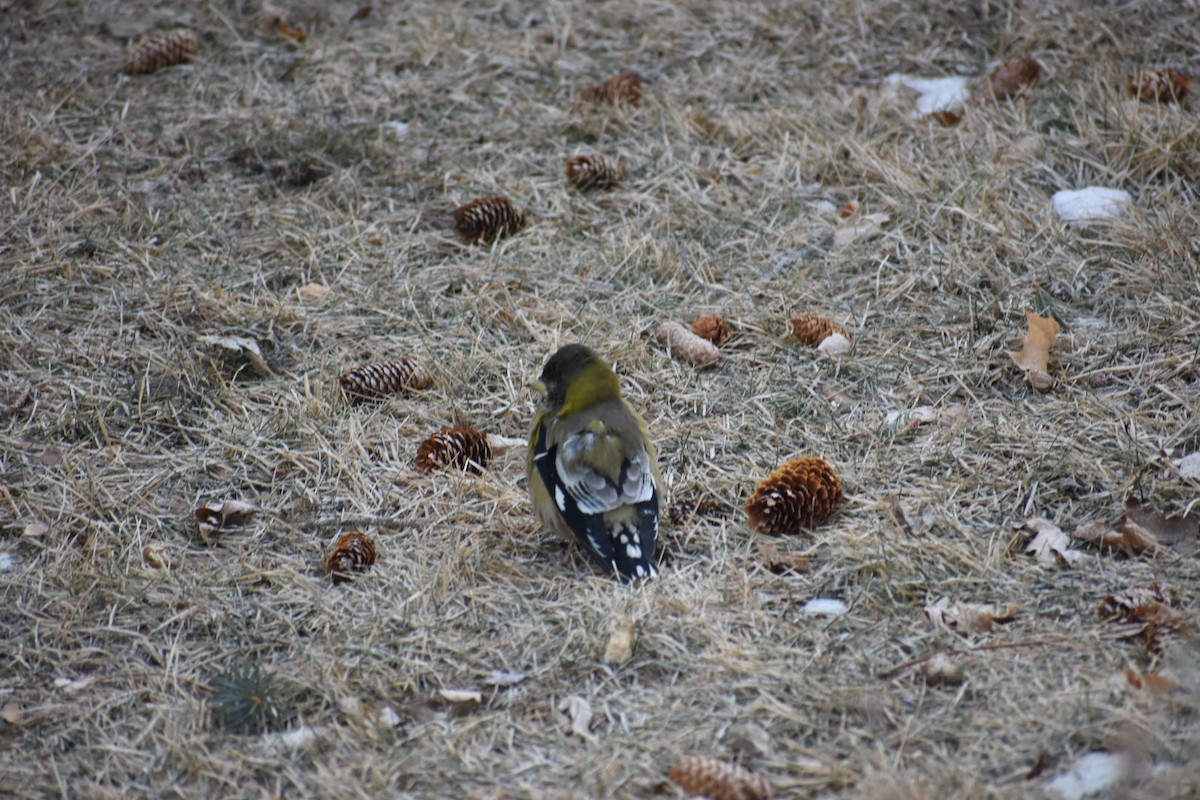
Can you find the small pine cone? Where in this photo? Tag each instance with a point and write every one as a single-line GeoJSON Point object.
{"type": "Point", "coordinates": [352, 553]}
{"type": "Point", "coordinates": [454, 446]}
{"type": "Point", "coordinates": [487, 219]}
{"type": "Point", "coordinates": [800, 494]}
{"type": "Point", "coordinates": [373, 381]}
{"type": "Point", "coordinates": [812, 329]}
{"type": "Point", "coordinates": [711, 327]}
{"type": "Point", "coordinates": [628, 87]}
{"type": "Point", "coordinates": [162, 49]}
{"type": "Point", "coordinates": [594, 172]}
{"type": "Point", "coordinates": [716, 780]}
{"type": "Point", "coordinates": [687, 346]}
{"type": "Point", "coordinates": [1162, 85]}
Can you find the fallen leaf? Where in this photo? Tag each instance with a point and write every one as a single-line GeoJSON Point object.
{"type": "Point", "coordinates": [210, 519]}
{"type": "Point", "coordinates": [1136, 604]}
{"type": "Point", "coordinates": [1035, 348]}
{"type": "Point", "coordinates": [1050, 546]}
{"type": "Point", "coordinates": [781, 561]}
{"type": "Point", "coordinates": [1179, 532]}
{"type": "Point", "coordinates": [858, 228]}
{"type": "Point", "coordinates": [962, 617]}
{"type": "Point", "coordinates": [240, 349]}
{"type": "Point", "coordinates": [1009, 79]}
{"type": "Point", "coordinates": [362, 12]}
{"type": "Point", "coordinates": [577, 714]}
{"type": "Point", "coordinates": [291, 32]}
{"type": "Point", "coordinates": [1162, 85]}
{"type": "Point", "coordinates": [934, 95]}
{"type": "Point", "coordinates": [1131, 539]}
{"type": "Point", "coordinates": [620, 643]}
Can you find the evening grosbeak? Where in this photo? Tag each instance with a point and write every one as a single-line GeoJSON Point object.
{"type": "Point", "coordinates": [591, 465]}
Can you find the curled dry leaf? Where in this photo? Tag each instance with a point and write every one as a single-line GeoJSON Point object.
{"type": "Point", "coordinates": [239, 351]}
{"type": "Point", "coordinates": [213, 518]}
{"type": "Point", "coordinates": [1050, 546]}
{"type": "Point", "coordinates": [1142, 613]}
{"type": "Point", "coordinates": [577, 715]}
{"type": "Point", "coordinates": [1035, 348]}
{"type": "Point", "coordinates": [1179, 532]}
{"type": "Point", "coordinates": [687, 346]}
{"type": "Point", "coordinates": [941, 670]}
{"type": "Point", "coordinates": [858, 228]}
{"type": "Point", "coordinates": [1010, 79]}
{"type": "Point", "coordinates": [1131, 539]}
{"type": "Point", "coordinates": [963, 617]}
{"type": "Point", "coordinates": [780, 561]}
{"type": "Point", "coordinates": [620, 644]}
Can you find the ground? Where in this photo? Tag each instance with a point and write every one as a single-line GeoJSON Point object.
{"type": "Point", "coordinates": [299, 194]}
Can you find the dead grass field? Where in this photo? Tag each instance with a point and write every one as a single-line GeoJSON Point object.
{"type": "Point", "coordinates": [142, 214]}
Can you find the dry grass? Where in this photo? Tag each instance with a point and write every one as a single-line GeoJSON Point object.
{"type": "Point", "coordinates": [141, 214]}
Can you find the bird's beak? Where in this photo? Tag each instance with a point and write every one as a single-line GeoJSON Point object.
{"type": "Point", "coordinates": [537, 386]}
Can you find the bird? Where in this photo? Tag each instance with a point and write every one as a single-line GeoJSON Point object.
{"type": "Point", "coordinates": [591, 466]}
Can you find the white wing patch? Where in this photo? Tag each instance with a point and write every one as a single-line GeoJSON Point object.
{"type": "Point", "coordinates": [593, 492]}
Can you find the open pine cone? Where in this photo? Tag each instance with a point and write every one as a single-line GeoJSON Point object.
{"type": "Point", "coordinates": [373, 381]}
{"type": "Point", "coordinates": [486, 219]}
{"type": "Point", "coordinates": [800, 494]}
{"type": "Point", "coordinates": [628, 87]}
{"type": "Point", "coordinates": [352, 553]}
{"type": "Point", "coordinates": [711, 327]}
{"type": "Point", "coordinates": [594, 172]}
{"type": "Point", "coordinates": [716, 780]}
{"type": "Point", "coordinates": [161, 49]}
{"type": "Point", "coordinates": [454, 446]}
{"type": "Point", "coordinates": [812, 329]}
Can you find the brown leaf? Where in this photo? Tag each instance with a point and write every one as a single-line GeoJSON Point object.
{"type": "Point", "coordinates": [212, 518]}
{"type": "Point", "coordinates": [781, 561]}
{"type": "Point", "coordinates": [362, 12]}
{"type": "Point", "coordinates": [1131, 539]}
{"type": "Point", "coordinates": [1035, 349]}
{"type": "Point", "coordinates": [962, 617]}
{"type": "Point", "coordinates": [1179, 532]}
{"type": "Point", "coordinates": [1009, 79]}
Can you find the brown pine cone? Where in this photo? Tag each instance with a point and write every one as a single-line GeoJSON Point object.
{"type": "Point", "coordinates": [716, 780]}
{"type": "Point", "coordinates": [594, 172]}
{"type": "Point", "coordinates": [353, 553]}
{"type": "Point", "coordinates": [812, 329]}
{"type": "Point", "coordinates": [628, 87]}
{"type": "Point", "coordinates": [373, 381]}
{"type": "Point", "coordinates": [711, 327]}
{"type": "Point", "coordinates": [454, 446]}
{"type": "Point", "coordinates": [800, 494]}
{"type": "Point", "coordinates": [161, 49]}
{"type": "Point", "coordinates": [1162, 85]}
{"type": "Point", "coordinates": [487, 219]}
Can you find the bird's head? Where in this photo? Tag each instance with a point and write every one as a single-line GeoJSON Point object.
{"type": "Point", "coordinates": [575, 378]}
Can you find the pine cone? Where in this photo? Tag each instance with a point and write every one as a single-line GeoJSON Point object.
{"type": "Point", "coordinates": [487, 219]}
{"type": "Point", "coordinates": [1009, 79]}
{"type": "Point", "coordinates": [352, 553]}
{"type": "Point", "coordinates": [454, 446]}
{"type": "Point", "coordinates": [687, 346]}
{"type": "Point", "coordinates": [1162, 85]}
{"type": "Point", "coordinates": [800, 494]}
{"type": "Point", "coordinates": [373, 381]}
{"type": "Point", "coordinates": [716, 780]}
{"type": "Point", "coordinates": [711, 327]}
{"type": "Point", "coordinates": [628, 87]}
{"type": "Point", "coordinates": [812, 329]}
{"type": "Point", "coordinates": [594, 172]}
{"type": "Point", "coordinates": [161, 49]}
